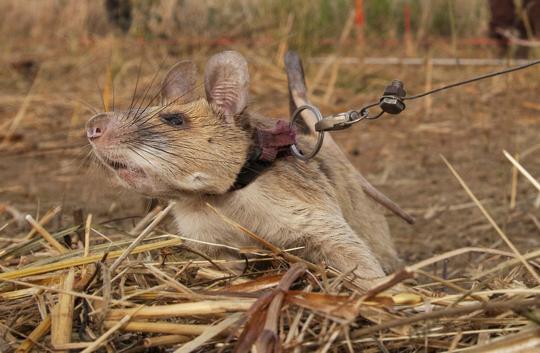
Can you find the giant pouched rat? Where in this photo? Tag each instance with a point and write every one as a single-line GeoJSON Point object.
{"type": "Point", "coordinates": [192, 150]}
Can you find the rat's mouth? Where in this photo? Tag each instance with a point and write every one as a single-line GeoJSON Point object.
{"type": "Point", "coordinates": [128, 173]}
{"type": "Point", "coordinates": [123, 170]}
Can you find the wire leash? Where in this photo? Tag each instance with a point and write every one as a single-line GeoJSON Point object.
{"type": "Point", "coordinates": [391, 102]}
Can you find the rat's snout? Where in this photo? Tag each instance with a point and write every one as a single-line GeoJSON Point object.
{"type": "Point", "coordinates": [97, 126]}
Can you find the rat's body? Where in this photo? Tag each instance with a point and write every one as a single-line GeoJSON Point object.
{"type": "Point", "coordinates": [192, 149]}
{"type": "Point", "coordinates": [319, 205]}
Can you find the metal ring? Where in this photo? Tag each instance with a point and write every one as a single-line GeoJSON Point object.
{"type": "Point", "coordinates": [294, 149]}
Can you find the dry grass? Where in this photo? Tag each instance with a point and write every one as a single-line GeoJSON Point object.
{"type": "Point", "coordinates": [111, 298]}
{"type": "Point", "coordinates": [84, 268]}
{"type": "Point", "coordinates": [315, 23]}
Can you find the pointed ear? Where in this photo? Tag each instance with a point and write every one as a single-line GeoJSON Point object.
{"type": "Point", "coordinates": [180, 83]}
{"type": "Point", "coordinates": [226, 81]}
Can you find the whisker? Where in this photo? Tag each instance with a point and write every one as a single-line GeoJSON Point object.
{"type": "Point", "coordinates": [148, 90]}
{"type": "Point", "coordinates": [158, 148]}
{"type": "Point", "coordinates": [136, 86]}
{"type": "Point", "coordinates": [170, 103]}
{"type": "Point", "coordinates": [139, 103]}
{"type": "Point", "coordinates": [137, 153]}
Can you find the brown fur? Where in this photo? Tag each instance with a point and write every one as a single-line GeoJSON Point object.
{"type": "Point", "coordinates": [319, 205]}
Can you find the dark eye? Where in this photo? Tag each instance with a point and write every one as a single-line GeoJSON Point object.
{"type": "Point", "coordinates": [173, 119]}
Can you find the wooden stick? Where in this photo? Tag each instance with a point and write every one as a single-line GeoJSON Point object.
{"type": "Point", "coordinates": [40, 331]}
{"type": "Point", "coordinates": [167, 340]}
{"type": "Point", "coordinates": [206, 307]}
{"type": "Point", "coordinates": [492, 222]}
{"type": "Point", "coordinates": [46, 235]}
{"type": "Point", "coordinates": [141, 237]}
{"type": "Point", "coordinates": [62, 313]}
{"type": "Point", "coordinates": [160, 327]}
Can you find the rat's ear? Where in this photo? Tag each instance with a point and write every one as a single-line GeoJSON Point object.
{"type": "Point", "coordinates": [226, 81]}
{"type": "Point", "coordinates": [180, 83]}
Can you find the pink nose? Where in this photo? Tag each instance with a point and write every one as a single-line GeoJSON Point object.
{"type": "Point", "coordinates": [97, 126]}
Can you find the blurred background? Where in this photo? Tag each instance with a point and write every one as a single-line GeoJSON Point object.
{"type": "Point", "coordinates": [64, 60]}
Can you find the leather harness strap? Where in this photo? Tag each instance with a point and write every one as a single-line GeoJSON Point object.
{"type": "Point", "coordinates": [268, 145]}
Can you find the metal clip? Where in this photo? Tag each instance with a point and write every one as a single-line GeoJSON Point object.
{"type": "Point", "coordinates": [334, 122]}
{"type": "Point", "coordinates": [320, 136]}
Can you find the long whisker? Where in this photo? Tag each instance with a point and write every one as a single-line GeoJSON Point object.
{"type": "Point", "coordinates": [142, 128]}
{"type": "Point", "coordinates": [175, 100]}
{"type": "Point", "coordinates": [146, 91]}
{"type": "Point", "coordinates": [136, 86]}
{"type": "Point", "coordinates": [137, 153]}
{"type": "Point", "coordinates": [187, 157]}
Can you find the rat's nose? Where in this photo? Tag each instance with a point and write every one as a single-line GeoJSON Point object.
{"type": "Point", "coordinates": [96, 126]}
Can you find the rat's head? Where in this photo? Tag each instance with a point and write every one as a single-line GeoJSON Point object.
{"type": "Point", "coordinates": [186, 144]}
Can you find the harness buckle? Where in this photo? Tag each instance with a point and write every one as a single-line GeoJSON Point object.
{"type": "Point", "coordinates": [335, 122]}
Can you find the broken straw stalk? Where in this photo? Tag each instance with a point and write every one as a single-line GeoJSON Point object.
{"type": "Point", "coordinates": [214, 304]}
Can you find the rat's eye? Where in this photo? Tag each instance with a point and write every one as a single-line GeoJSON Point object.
{"type": "Point", "coordinates": [173, 119]}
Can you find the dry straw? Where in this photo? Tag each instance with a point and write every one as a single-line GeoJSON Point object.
{"type": "Point", "coordinates": [170, 301]}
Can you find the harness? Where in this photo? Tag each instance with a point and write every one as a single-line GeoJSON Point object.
{"type": "Point", "coordinates": [268, 145]}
